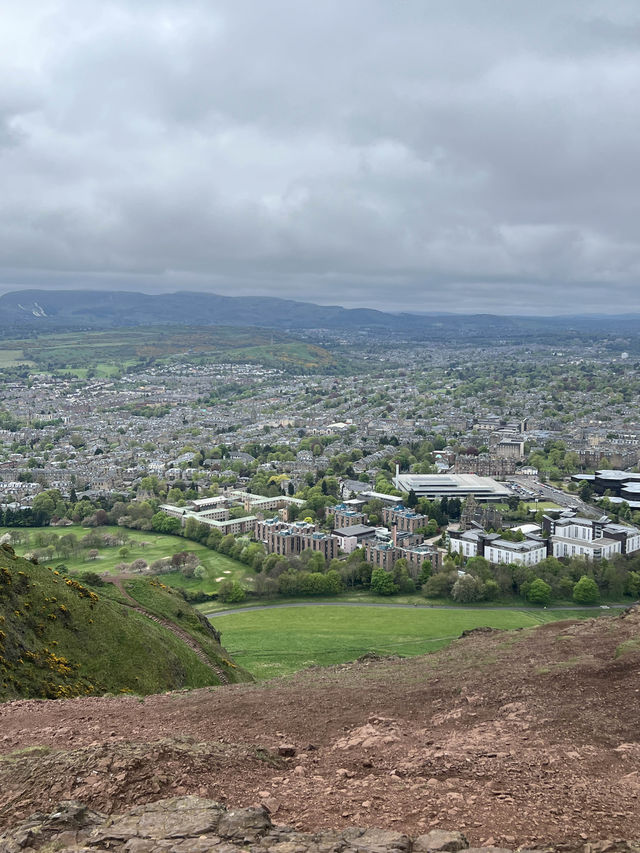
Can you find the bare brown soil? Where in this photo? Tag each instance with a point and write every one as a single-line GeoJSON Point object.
{"type": "Point", "coordinates": [514, 738]}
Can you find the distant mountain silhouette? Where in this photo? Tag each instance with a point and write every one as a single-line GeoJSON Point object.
{"type": "Point", "coordinates": [50, 310]}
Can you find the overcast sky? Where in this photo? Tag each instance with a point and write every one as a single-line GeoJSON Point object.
{"type": "Point", "coordinates": [466, 155]}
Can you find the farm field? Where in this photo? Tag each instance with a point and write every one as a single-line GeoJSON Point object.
{"type": "Point", "coordinates": [144, 545]}
{"type": "Point", "coordinates": [108, 353]}
{"type": "Point", "coordinates": [12, 358]}
{"type": "Point", "coordinates": [271, 643]}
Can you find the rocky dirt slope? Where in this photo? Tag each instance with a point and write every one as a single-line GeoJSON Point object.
{"type": "Point", "coordinates": [526, 738]}
{"type": "Point", "coordinates": [194, 825]}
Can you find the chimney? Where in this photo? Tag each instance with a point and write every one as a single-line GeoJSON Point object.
{"type": "Point", "coordinates": [394, 534]}
{"type": "Point", "coordinates": [397, 470]}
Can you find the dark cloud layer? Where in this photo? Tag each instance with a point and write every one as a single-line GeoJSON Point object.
{"type": "Point", "coordinates": [444, 155]}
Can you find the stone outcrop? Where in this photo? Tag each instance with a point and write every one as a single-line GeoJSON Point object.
{"type": "Point", "coordinates": [195, 825]}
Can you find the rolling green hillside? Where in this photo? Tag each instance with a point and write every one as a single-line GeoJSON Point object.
{"type": "Point", "coordinates": [60, 638]}
{"type": "Point", "coordinates": [108, 353]}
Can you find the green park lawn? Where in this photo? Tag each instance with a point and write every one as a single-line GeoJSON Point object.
{"type": "Point", "coordinates": [147, 545]}
{"type": "Point", "coordinates": [12, 358]}
{"type": "Point", "coordinates": [543, 505]}
{"type": "Point", "coordinates": [270, 643]}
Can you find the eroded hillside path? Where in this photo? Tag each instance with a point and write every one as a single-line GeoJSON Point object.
{"type": "Point", "coordinates": [178, 632]}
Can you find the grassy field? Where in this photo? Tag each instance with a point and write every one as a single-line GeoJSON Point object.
{"type": "Point", "coordinates": [107, 353]}
{"type": "Point", "coordinates": [12, 358]}
{"type": "Point", "coordinates": [270, 643]}
{"type": "Point", "coordinates": [141, 544]}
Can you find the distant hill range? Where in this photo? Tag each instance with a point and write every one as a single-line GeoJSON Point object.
{"type": "Point", "coordinates": [49, 310]}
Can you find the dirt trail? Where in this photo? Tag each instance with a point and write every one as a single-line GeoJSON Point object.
{"type": "Point", "coordinates": [516, 738]}
{"type": "Point", "coordinates": [170, 626]}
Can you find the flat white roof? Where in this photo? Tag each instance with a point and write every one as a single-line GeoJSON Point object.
{"type": "Point", "coordinates": [204, 501]}
{"type": "Point", "coordinates": [586, 543]}
{"type": "Point", "coordinates": [451, 485]}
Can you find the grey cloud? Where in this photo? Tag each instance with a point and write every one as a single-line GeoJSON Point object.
{"type": "Point", "coordinates": [447, 155]}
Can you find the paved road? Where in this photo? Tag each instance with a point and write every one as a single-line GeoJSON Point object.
{"type": "Point", "coordinates": [218, 613]}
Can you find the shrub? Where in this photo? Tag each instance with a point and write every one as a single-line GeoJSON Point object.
{"type": "Point", "coordinates": [91, 578]}
{"type": "Point", "coordinates": [439, 585]}
{"type": "Point", "coordinates": [586, 591]}
{"type": "Point", "coordinates": [382, 583]}
{"type": "Point", "coordinates": [231, 591]}
{"type": "Point", "coordinates": [539, 592]}
{"type": "Point", "coordinates": [633, 584]}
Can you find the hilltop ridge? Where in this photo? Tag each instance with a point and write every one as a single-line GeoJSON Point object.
{"type": "Point", "coordinates": [51, 310]}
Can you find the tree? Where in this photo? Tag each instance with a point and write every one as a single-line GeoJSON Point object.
{"type": "Point", "coordinates": [613, 580]}
{"type": "Point", "coordinates": [425, 572]}
{"type": "Point", "coordinates": [162, 523]}
{"type": "Point", "coordinates": [586, 591]}
{"type": "Point", "coordinates": [412, 499]}
{"type": "Point", "coordinates": [479, 566]}
{"type": "Point", "coordinates": [175, 496]}
{"type": "Point", "coordinates": [440, 584]}
{"type": "Point", "coordinates": [466, 589]}
{"type": "Point", "coordinates": [333, 582]}
{"type": "Point", "coordinates": [633, 584]}
{"type": "Point", "coordinates": [432, 528]}
{"type": "Point", "coordinates": [226, 544]}
{"type": "Point", "coordinates": [401, 577]}
{"type": "Point", "coordinates": [67, 545]}
{"type": "Point", "coordinates": [231, 591]}
{"type": "Point", "coordinates": [539, 592]}
{"type": "Point", "coordinates": [44, 505]}
{"type": "Point", "coordinates": [93, 554]}
{"type": "Point", "coordinates": [585, 490]}
{"type": "Point", "coordinates": [382, 583]}
{"type": "Point", "coordinates": [491, 590]}
{"type": "Point", "coordinates": [91, 578]}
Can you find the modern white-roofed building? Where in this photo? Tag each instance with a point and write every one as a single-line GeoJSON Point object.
{"type": "Point", "coordinates": [567, 536]}
{"type": "Point", "coordinates": [435, 486]}
{"type": "Point", "coordinates": [478, 543]}
{"type": "Point", "coordinates": [527, 553]}
{"type": "Point", "coordinates": [594, 549]}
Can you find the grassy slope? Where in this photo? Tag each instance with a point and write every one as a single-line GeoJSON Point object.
{"type": "Point", "coordinates": [276, 642]}
{"type": "Point", "coordinates": [109, 351]}
{"type": "Point", "coordinates": [63, 639]}
{"type": "Point", "coordinates": [171, 605]}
